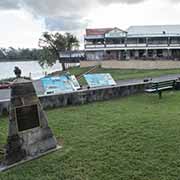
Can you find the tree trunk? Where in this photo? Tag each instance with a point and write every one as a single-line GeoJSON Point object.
{"type": "Point", "coordinates": [63, 66]}
{"type": "Point", "coordinates": [61, 61]}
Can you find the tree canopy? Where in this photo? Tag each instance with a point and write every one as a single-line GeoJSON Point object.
{"type": "Point", "coordinates": [12, 54]}
{"type": "Point", "coordinates": [53, 44]}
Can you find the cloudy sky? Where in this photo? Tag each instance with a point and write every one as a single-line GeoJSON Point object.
{"type": "Point", "coordinates": [23, 21]}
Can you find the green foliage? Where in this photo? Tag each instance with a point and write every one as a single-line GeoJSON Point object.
{"type": "Point", "coordinates": [47, 57]}
{"type": "Point", "coordinates": [19, 54]}
{"type": "Point", "coordinates": [2, 54]}
{"type": "Point", "coordinates": [13, 54]}
{"type": "Point", "coordinates": [135, 138]}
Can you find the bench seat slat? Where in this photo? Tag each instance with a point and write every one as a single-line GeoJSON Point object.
{"type": "Point", "coordinates": [163, 88]}
{"type": "Point", "coordinates": [150, 90]}
{"type": "Point", "coordinates": [158, 89]}
{"type": "Point", "coordinates": [167, 84]}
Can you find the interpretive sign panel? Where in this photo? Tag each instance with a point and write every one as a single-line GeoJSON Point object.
{"type": "Point", "coordinates": [60, 84]}
{"type": "Point", "coordinates": [98, 80]}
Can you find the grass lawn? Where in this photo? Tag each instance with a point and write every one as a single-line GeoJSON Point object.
{"type": "Point", "coordinates": [136, 137]}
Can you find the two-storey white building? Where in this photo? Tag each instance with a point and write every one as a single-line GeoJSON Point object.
{"type": "Point", "coordinates": [138, 42]}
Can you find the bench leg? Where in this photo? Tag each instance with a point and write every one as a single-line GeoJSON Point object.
{"type": "Point", "coordinates": [160, 94]}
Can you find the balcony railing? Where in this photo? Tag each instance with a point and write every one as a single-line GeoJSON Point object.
{"type": "Point", "coordinates": [95, 46]}
{"type": "Point", "coordinates": [120, 46]}
{"type": "Point", "coordinates": [136, 45]}
{"type": "Point", "coordinates": [174, 45]}
{"type": "Point", "coordinates": [158, 45]}
{"type": "Point", "coordinates": [115, 45]}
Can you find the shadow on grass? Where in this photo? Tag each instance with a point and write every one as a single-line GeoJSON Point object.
{"type": "Point", "coordinates": [1, 154]}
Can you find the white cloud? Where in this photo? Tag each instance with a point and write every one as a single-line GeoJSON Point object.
{"type": "Point", "coordinates": [150, 12]}
{"type": "Point", "coordinates": [19, 29]}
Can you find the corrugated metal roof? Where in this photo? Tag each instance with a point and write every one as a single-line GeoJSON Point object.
{"type": "Point", "coordinates": [138, 31]}
{"type": "Point", "coordinates": [97, 31]}
{"type": "Point", "coordinates": [162, 30]}
{"type": "Point", "coordinates": [94, 37]}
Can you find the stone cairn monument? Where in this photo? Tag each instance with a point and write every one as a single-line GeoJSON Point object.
{"type": "Point", "coordinates": [29, 135]}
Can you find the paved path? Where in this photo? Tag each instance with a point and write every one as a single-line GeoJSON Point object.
{"type": "Point", "coordinates": [160, 78]}
{"type": "Point", "coordinates": [5, 93]}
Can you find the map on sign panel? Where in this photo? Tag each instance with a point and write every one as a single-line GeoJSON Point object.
{"type": "Point", "coordinates": [60, 84]}
{"type": "Point", "coordinates": [98, 80]}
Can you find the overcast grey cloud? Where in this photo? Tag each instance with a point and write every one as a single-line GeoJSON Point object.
{"type": "Point", "coordinates": [120, 1]}
{"type": "Point", "coordinates": [58, 14]}
{"type": "Point", "coordinates": [54, 6]}
{"type": "Point", "coordinates": [61, 14]}
{"type": "Point", "coordinates": [65, 23]}
{"type": "Point", "coordinates": [9, 4]}
{"type": "Point", "coordinates": [47, 7]}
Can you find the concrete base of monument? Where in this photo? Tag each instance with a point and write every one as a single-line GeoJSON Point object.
{"type": "Point", "coordinates": [6, 167]}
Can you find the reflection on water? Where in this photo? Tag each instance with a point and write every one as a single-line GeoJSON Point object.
{"type": "Point", "coordinates": [29, 68]}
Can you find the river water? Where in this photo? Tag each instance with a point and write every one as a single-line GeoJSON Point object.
{"type": "Point", "coordinates": [29, 69]}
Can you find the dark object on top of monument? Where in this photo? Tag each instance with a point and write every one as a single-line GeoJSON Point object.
{"type": "Point", "coordinates": [17, 72]}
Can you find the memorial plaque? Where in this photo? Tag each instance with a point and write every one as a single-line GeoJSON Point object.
{"type": "Point", "coordinates": [27, 117]}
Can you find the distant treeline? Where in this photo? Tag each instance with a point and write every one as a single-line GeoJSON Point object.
{"type": "Point", "coordinates": [12, 54]}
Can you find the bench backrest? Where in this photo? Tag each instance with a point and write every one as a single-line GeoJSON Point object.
{"type": "Point", "coordinates": [163, 84]}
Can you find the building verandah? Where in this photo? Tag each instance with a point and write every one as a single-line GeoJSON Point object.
{"type": "Point", "coordinates": [135, 54]}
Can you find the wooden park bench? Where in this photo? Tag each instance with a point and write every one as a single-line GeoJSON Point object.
{"type": "Point", "coordinates": [158, 87]}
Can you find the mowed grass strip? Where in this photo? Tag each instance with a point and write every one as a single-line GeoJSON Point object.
{"type": "Point", "coordinates": [136, 137]}
{"type": "Point", "coordinates": [123, 74]}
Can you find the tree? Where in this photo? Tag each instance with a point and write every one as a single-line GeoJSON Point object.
{"type": "Point", "coordinates": [12, 53]}
{"type": "Point", "coordinates": [2, 54]}
{"type": "Point", "coordinates": [19, 54]}
{"type": "Point", "coordinates": [53, 44]}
